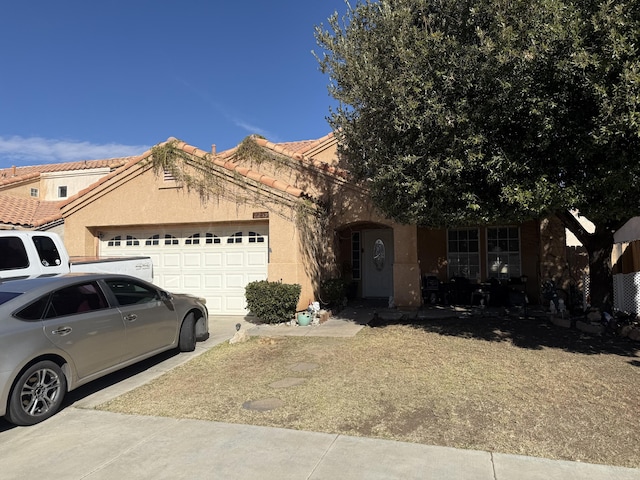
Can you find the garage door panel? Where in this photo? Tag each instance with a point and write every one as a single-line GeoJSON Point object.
{"type": "Point", "coordinates": [172, 281]}
{"type": "Point", "coordinates": [171, 260]}
{"type": "Point", "coordinates": [234, 259]}
{"type": "Point", "coordinates": [214, 304]}
{"type": "Point", "coordinates": [213, 281]}
{"type": "Point", "coordinates": [213, 260]}
{"type": "Point", "coordinates": [256, 258]}
{"type": "Point", "coordinates": [234, 281]}
{"type": "Point", "coordinates": [218, 271]}
{"type": "Point", "coordinates": [236, 303]}
{"type": "Point", "coordinates": [255, 277]}
{"type": "Point", "coordinates": [192, 282]}
{"type": "Point", "coordinates": [192, 260]}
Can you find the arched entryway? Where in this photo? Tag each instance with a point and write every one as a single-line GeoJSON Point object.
{"type": "Point", "coordinates": [366, 253]}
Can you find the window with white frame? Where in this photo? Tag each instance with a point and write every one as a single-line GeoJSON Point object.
{"type": "Point", "coordinates": [115, 241]}
{"type": "Point", "coordinates": [235, 238]}
{"type": "Point", "coordinates": [212, 239]}
{"type": "Point", "coordinates": [62, 191]}
{"type": "Point", "coordinates": [132, 241]}
{"type": "Point", "coordinates": [503, 252]}
{"type": "Point", "coordinates": [153, 240]}
{"type": "Point", "coordinates": [463, 253]}
{"type": "Point", "coordinates": [35, 192]}
{"type": "Point", "coordinates": [170, 240]}
{"type": "Point", "coordinates": [193, 239]}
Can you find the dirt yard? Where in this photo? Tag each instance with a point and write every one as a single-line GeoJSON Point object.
{"type": "Point", "coordinates": [497, 384]}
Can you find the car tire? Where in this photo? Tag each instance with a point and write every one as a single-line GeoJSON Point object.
{"type": "Point", "coordinates": [187, 342]}
{"type": "Point", "coordinates": [37, 394]}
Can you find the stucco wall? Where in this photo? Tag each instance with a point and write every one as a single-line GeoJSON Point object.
{"type": "Point", "coordinates": [22, 190]}
{"type": "Point", "coordinates": [73, 180]}
{"type": "Point", "coordinates": [142, 199]}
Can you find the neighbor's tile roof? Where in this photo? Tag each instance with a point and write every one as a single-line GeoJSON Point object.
{"type": "Point", "coordinates": [18, 174]}
{"type": "Point", "coordinates": [27, 212]}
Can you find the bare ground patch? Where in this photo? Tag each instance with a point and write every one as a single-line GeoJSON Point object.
{"type": "Point", "coordinates": [486, 386]}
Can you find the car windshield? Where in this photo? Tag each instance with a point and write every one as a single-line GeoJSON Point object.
{"type": "Point", "coordinates": [6, 296]}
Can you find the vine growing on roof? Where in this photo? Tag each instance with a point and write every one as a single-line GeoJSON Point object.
{"type": "Point", "coordinates": [211, 181]}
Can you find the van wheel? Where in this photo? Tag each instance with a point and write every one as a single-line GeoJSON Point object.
{"type": "Point", "coordinates": [37, 394]}
{"type": "Point", "coordinates": [187, 342]}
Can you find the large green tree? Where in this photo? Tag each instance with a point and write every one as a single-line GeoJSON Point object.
{"type": "Point", "coordinates": [460, 112]}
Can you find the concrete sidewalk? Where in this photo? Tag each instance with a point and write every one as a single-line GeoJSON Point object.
{"type": "Point", "coordinates": [82, 443]}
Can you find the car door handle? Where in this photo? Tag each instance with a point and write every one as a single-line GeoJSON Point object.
{"type": "Point", "coordinates": [130, 318]}
{"type": "Point", "coordinates": [62, 331]}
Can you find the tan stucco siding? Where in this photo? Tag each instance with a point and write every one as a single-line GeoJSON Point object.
{"type": "Point", "coordinates": [23, 189]}
{"type": "Point", "coordinates": [406, 269]}
{"type": "Point", "coordinates": [144, 201]}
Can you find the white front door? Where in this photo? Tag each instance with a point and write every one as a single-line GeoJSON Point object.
{"type": "Point", "coordinates": [377, 263]}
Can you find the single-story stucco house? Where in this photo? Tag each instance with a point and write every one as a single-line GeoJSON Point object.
{"type": "Point", "coordinates": [213, 222]}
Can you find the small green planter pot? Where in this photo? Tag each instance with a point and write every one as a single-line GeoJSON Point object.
{"type": "Point", "coordinates": [304, 319]}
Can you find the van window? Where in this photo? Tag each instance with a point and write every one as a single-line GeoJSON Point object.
{"type": "Point", "coordinates": [47, 251]}
{"type": "Point", "coordinates": [12, 254]}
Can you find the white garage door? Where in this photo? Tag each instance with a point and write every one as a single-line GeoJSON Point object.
{"type": "Point", "coordinates": [214, 263]}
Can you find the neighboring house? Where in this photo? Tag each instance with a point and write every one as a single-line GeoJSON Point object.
{"type": "Point", "coordinates": [284, 212]}
{"type": "Point", "coordinates": [30, 197]}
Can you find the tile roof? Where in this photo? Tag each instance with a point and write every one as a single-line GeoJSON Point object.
{"type": "Point", "coordinates": [33, 213]}
{"type": "Point", "coordinates": [221, 161]}
{"type": "Point", "coordinates": [27, 212]}
{"type": "Point", "coordinates": [19, 174]}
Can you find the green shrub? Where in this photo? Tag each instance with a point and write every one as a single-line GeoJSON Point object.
{"type": "Point", "coordinates": [333, 291]}
{"type": "Point", "coordinates": [272, 302]}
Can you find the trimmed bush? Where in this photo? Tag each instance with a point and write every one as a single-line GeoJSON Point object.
{"type": "Point", "coordinates": [272, 302]}
{"type": "Point", "coordinates": [333, 291]}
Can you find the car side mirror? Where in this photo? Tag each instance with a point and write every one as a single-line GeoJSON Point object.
{"type": "Point", "coordinates": [165, 296]}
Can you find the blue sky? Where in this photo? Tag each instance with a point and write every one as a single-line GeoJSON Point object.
{"type": "Point", "coordinates": [84, 80]}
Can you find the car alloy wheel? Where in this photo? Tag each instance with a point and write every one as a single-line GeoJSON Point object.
{"type": "Point", "coordinates": [37, 394]}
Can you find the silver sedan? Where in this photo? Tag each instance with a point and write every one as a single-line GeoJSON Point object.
{"type": "Point", "coordinates": [57, 333]}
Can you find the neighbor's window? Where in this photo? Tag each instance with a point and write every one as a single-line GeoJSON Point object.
{"type": "Point", "coordinates": [503, 252]}
{"type": "Point", "coordinates": [463, 257]}
{"type": "Point", "coordinates": [34, 192]}
{"type": "Point", "coordinates": [62, 192]}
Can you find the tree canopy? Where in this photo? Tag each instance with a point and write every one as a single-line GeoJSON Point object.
{"type": "Point", "coordinates": [466, 111]}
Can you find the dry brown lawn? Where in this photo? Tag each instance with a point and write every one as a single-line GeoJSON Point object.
{"type": "Point", "coordinates": [500, 385]}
